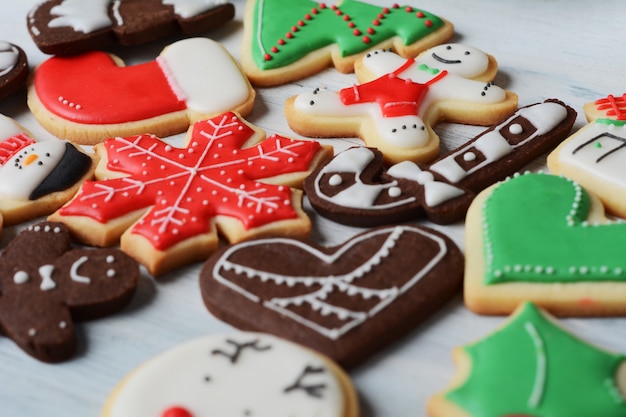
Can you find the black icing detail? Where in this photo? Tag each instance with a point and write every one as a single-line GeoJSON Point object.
{"type": "Point", "coordinates": [445, 61]}
{"type": "Point", "coordinates": [314, 390]}
{"type": "Point", "coordinates": [239, 347]}
{"type": "Point", "coordinates": [608, 153]}
{"type": "Point", "coordinates": [70, 169]}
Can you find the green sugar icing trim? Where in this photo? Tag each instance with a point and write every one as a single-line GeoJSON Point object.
{"type": "Point", "coordinates": [533, 367]}
{"type": "Point", "coordinates": [535, 230]}
{"type": "Point", "coordinates": [274, 19]}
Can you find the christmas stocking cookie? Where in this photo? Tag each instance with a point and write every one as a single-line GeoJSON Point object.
{"type": "Point", "coordinates": [167, 204]}
{"type": "Point", "coordinates": [89, 97]}
{"type": "Point", "coordinates": [36, 178]}
{"type": "Point", "coordinates": [66, 27]}
{"type": "Point", "coordinates": [595, 155]}
{"type": "Point", "coordinates": [399, 101]}
{"type": "Point", "coordinates": [46, 285]}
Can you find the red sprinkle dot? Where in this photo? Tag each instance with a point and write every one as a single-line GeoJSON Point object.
{"type": "Point", "coordinates": [420, 14]}
{"type": "Point", "coordinates": [356, 32]}
{"type": "Point", "coordinates": [322, 5]}
{"type": "Point", "coordinates": [176, 412]}
{"type": "Point", "coordinates": [351, 25]}
{"type": "Point", "coordinates": [396, 6]}
{"type": "Point", "coordinates": [281, 41]}
{"type": "Point", "coordinates": [381, 16]}
{"type": "Point", "coordinates": [346, 17]}
{"type": "Point", "coordinates": [333, 7]}
{"type": "Point", "coordinates": [409, 9]}
{"type": "Point", "coordinates": [338, 12]}
{"type": "Point", "coordinates": [366, 39]}
{"type": "Point", "coordinates": [267, 57]}
{"type": "Point", "coordinates": [314, 10]}
{"type": "Point", "coordinates": [428, 23]}
{"type": "Point", "coordinates": [376, 22]}
{"type": "Point", "coordinates": [307, 16]}
{"type": "Point", "coordinates": [274, 49]}
{"type": "Point", "coordinates": [371, 31]}
{"type": "Point", "coordinates": [289, 35]}
{"type": "Point", "coordinates": [300, 22]}
{"type": "Point", "coordinates": [386, 9]}
{"type": "Point", "coordinates": [294, 28]}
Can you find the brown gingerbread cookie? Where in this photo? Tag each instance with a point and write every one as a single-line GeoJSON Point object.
{"type": "Point", "coordinates": [45, 286]}
{"type": "Point", "coordinates": [64, 27]}
{"type": "Point", "coordinates": [347, 301]}
{"type": "Point", "coordinates": [354, 188]}
{"type": "Point", "coordinates": [13, 68]}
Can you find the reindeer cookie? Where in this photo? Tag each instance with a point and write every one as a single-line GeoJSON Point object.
{"type": "Point", "coordinates": [238, 374]}
{"type": "Point", "coordinates": [595, 155]}
{"type": "Point", "coordinates": [90, 97]}
{"type": "Point", "coordinates": [354, 188]}
{"type": "Point", "coordinates": [64, 27]}
{"type": "Point", "coordinates": [36, 178]}
{"type": "Point", "coordinates": [13, 68]}
{"type": "Point", "coordinates": [399, 101]}
{"type": "Point", "coordinates": [166, 204]}
{"type": "Point", "coordinates": [45, 286]}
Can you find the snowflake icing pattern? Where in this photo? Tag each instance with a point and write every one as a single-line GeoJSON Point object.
{"type": "Point", "coordinates": [184, 189]}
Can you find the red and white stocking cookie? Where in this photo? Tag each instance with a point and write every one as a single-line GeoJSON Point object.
{"type": "Point", "coordinates": [167, 204]}
{"type": "Point", "coordinates": [65, 27]}
{"type": "Point", "coordinates": [399, 101]}
{"type": "Point", "coordinates": [36, 178]}
{"type": "Point", "coordinates": [45, 286]}
{"type": "Point", "coordinates": [90, 97]}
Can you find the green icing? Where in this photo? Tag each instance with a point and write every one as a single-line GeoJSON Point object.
{"type": "Point", "coordinates": [533, 367]}
{"type": "Point", "coordinates": [611, 122]}
{"type": "Point", "coordinates": [535, 231]}
{"type": "Point", "coordinates": [275, 18]}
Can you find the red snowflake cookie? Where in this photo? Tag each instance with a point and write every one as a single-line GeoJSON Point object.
{"type": "Point", "coordinates": [167, 204]}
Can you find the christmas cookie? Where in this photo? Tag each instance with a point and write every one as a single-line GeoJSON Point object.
{"type": "Point", "coordinates": [13, 68]}
{"type": "Point", "coordinates": [64, 27]}
{"type": "Point", "coordinates": [238, 374]}
{"type": "Point", "coordinates": [348, 301]}
{"type": "Point", "coordinates": [286, 40]}
{"type": "Point", "coordinates": [167, 204]}
{"type": "Point", "coordinates": [90, 97]}
{"type": "Point", "coordinates": [531, 366]}
{"type": "Point", "coordinates": [36, 178]}
{"type": "Point", "coordinates": [595, 155]}
{"type": "Point", "coordinates": [399, 101]}
{"type": "Point", "coordinates": [45, 286]}
{"type": "Point", "coordinates": [354, 188]}
{"type": "Point", "coordinates": [545, 239]}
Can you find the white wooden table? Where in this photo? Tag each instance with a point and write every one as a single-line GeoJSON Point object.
{"type": "Point", "coordinates": [572, 50]}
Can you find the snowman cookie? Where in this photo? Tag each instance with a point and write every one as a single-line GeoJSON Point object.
{"type": "Point", "coordinates": [13, 68]}
{"type": "Point", "coordinates": [36, 178]}
{"type": "Point", "coordinates": [64, 27]}
{"type": "Point", "coordinates": [399, 101]}
{"type": "Point", "coordinates": [90, 97]}
{"type": "Point", "coordinates": [238, 374]}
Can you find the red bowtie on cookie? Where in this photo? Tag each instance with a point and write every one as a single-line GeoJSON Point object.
{"type": "Point", "coordinates": [355, 188]}
{"type": "Point", "coordinates": [399, 101]}
{"type": "Point", "coordinates": [62, 27]}
{"type": "Point", "coordinates": [166, 204]}
{"type": "Point", "coordinates": [36, 178]}
{"type": "Point", "coordinates": [347, 301]}
{"type": "Point", "coordinates": [45, 286]}
{"type": "Point", "coordinates": [90, 97]}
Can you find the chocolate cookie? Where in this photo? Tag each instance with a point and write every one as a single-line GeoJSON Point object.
{"type": "Point", "coordinates": [63, 27]}
{"type": "Point", "coordinates": [347, 301]}
{"type": "Point", "coordinates": [45, 286]}
{"type": "Point", "coordinates": [13, 68]}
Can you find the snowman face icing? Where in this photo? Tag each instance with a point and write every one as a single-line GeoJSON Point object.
{"type": "Point", "coordinates": [27, 169]}
{"type": "Point", "coordinates": [458, 59]}
{"type": "Point", "coordinates": [243, 374]}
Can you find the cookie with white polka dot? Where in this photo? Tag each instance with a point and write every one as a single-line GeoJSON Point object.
{"type": "Point", "coordinates": [355, 188]}
{"type": "Point", "coordinates": [46, 285]}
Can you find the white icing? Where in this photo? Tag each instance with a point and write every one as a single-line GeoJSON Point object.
{"type": "Point", "coordinates": [516, 129]}
{"type": "Point", "coordinates": [21, 174]}
{"type": "Point", "coordinates": [469, 156]}
{"type": "Point", "coordinates": [21, 277]}
{"type": "Point", "coordinates": [543, 116]}
{"type": "Point", "coordinates": [9, 55]}
{"type": "Point", "coordinates": [347, 283]}
{"type": "Point", "coordinates": [74, 275]}
{"type": "Point", "coordinates": [202, 72]}
{"type": "Point", "coordinates": [8, 128]}
{"type": "Point", "coordinates": [80, 15]}
{"type": "Point", "coordinates": [462, 60]}
{"type": "Point", "coordinates": [47, 283]}
{"type": "Point", "coordinates": [205, 383]}
{"type": "Point", "coordinates": [190, 8]}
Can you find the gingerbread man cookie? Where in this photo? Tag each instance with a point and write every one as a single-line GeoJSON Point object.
{"type": "Point", "coordinates": [594, 156]}
{"type": "Point", "coordinates": [286, 40]}
{"type": "Point", "coordinates": [399, 101]}
{"type": "Point", "coordinates": [36, 178]}
{"type": "Point", "coordinates": [347, 302]}
{"type": "Point", "coordinates": [354, 188]}
{"type": "Point", "coordinates": [13, 68]}
{"type": "Point", "coordinates": [45, 286]}
{"type": "Point", "coordinates": [167, 204]}
{"type": "Point", "coordinates": [65, 27]}
{"type": "Point", "coordinates": [238, 374]}
{"type": "Point", "coordinates": [90, 97]}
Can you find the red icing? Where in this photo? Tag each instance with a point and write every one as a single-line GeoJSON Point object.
{"type": "Point", "coordinates": [395, 96]}
{"type": "Point", "coordinates": [176, 412]}
{"type": "Point", "coordinates": [12, 145]}
{"type": "Point", "coordinates": [614, 106]}
{"type": "Point", "coordinates": [91, 89]}
{"type": "Point", "coordinates": [183, 189]}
